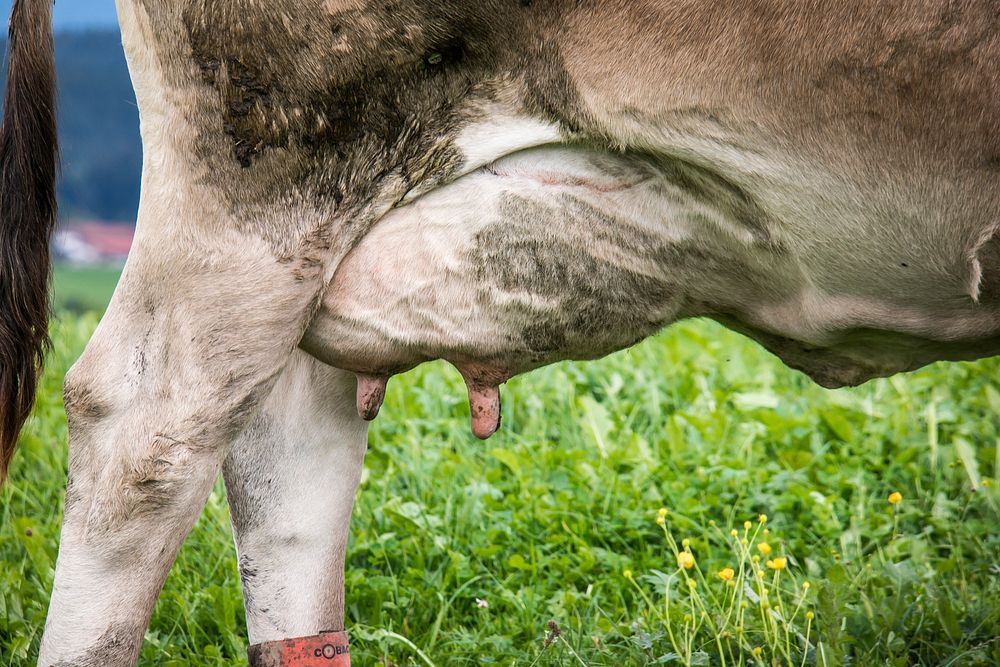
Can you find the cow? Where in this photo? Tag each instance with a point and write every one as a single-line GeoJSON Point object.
{"type": "Point", "coordinates": [334, 191]}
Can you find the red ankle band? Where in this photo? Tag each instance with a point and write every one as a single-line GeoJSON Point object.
{"type": "Point", "coordinates": [327, 649]}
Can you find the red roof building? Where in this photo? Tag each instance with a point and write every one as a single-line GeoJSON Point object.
{"type": "Point", "coordinates": [93, 242]}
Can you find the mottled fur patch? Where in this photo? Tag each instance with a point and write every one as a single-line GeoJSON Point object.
{"type": "Point", "coordinates": [82, 402]}
{"type": "Point", "coordinates": [597, 303]}
{"type": "Point", "coordinates": [119, 646]}
{"type": "Point", "coordinates": [339, 107]}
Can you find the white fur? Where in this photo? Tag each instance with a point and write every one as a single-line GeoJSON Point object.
{"type": "Point", "coordinates": [301, 461]}
{"type": "Point", "coordinates": [205, 320]}
{"type": "Point", "coordinates": [500, 132]}
{"type": "Point", "coordinates": [162, 365]}
{"type": "Point", "coordinates": [410, 292]}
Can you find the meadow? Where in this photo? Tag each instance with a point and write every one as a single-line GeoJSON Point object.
{"type": "Point", "coordinates": [686, 502]}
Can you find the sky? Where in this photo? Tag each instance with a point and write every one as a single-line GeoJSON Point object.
{"type": "Point", "coordinates": [75, 14]}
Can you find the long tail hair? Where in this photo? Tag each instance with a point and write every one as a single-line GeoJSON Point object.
{"type": "Point", "coordinates": [27, 214]}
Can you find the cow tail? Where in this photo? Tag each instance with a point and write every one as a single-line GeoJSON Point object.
{"type": "Point", "coordinates": [28, 154]}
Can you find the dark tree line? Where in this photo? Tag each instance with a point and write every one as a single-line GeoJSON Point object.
{"type": "Point", "coordinates": [98, 128]}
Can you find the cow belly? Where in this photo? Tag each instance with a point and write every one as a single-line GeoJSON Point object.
{"type": "Point", "coordinates": [554, 255]}
{"type": "Point", "coordinates": [560, 253]}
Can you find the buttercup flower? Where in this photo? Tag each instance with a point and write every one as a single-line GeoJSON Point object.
{"type": "Point", "coordinates": [627, 574]}
{"type": "Point", "coordinates": [895, 498]}
{"type": "Point", "coordinates": [685, 560]}
{"type": "Point", "coordinates": [762, 518]}
{"type": "Point", "coordinates": [764, 548]}
{"type": "Point", "coordinates": [727, 574]}
{"type": "Point", "coordinates": [779, 563]}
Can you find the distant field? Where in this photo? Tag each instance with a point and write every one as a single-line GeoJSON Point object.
{"type": "Point", "coordinates": [83, 289]}
{"type": "Point", "coordinates": [555, 519]}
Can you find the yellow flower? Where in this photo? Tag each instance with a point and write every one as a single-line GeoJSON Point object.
{"type": "Point", "coordinates": [733, 532]}
{"type": "Point", "coordinates": [692, 584]}
{"type": "Point", "coordinates": [895, 498]}
{"type": "Point", "coordinates": [686, 543]}
{"type": "Point", "coordinates": [747, 525]}
{"type": "Point", "coordinates": [762, 518]}
{"type": "Point", "coordinates": [764, 548]}
{"type": "Point", "coordinates": [627, 574]}
{"type": "Point", "coordinates": [685, 560]}
{"type": "Point", "coordinates": [779, 563]}
{"type": "Point", "coordinates": [810, 616]}
{"type": "Point", "coordinates": [758, 651]}
{"type": "Point", "coordinates": [727, 574]}
{"type": "Point", "coordinates": [806, 585]}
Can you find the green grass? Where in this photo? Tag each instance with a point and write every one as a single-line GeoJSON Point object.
{"type": "Point", "coordinates": [83, 289]}
{"type": "Point", "coordinates": [544, 520]}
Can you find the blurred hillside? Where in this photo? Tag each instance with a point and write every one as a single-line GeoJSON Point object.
{"type": "Point", "coordinates": [76, 14]}
{"type": "Point", "coordinates": [98, 128]}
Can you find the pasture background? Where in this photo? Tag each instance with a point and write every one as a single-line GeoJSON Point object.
{"type": "Point", "coordinates": [542, 521]}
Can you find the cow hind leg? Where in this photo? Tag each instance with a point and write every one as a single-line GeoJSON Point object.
{"type": "Point", "coordinates": [182, 361]}
{"type": "Point", "coordinates": [291, 479]}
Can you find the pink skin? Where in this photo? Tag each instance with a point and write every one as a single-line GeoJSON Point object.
{"type": "Point", "coordinates": [371, 393]}
{"type": "Point", "coordinates": [484, 410]}
{"type": "Point", "coordinates": [483, 383]}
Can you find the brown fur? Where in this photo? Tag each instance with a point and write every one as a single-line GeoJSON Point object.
{"type": "Point", "coordinates": [334, 105]}
{"type": "Point", "coordinates": [27, 214]}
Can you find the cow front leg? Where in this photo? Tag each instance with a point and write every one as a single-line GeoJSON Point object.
{"type": "Point", "coordinates": [291, 479]}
